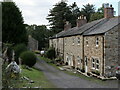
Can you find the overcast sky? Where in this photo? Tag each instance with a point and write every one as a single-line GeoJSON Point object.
{"type": "Point", "coordinates": [36, 11]}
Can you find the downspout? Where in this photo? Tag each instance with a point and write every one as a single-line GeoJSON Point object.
{"type": "Point", "coordinates": [63, 49]}
{"type": "Point", "coordinates": [103, 67]}
{"type": "Point", "coordinates": [83, 54]}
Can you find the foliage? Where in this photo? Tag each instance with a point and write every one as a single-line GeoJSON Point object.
{"type": "Point", "coordinates": [96, 72]}
{"type": "Point", "coordinates": [28, 58]}
{"type": "Point", "coordinates": [40, 33]}
{"type": "Point", "coordinates": [97, 15]}
{"type": "Point", "coordinates": [51, 54]}
{"type": "Point", "coordinates": [59, 14]}
{"type": "Point", "coordinates": [88, 10]}
{"type": "Point", "coordinates": [13, 29]}
{"type": "Point", "coordinates": [75, 14]}
{"type": "Point", "coordinates": [9, 50]}
{"type": "Point", "coordinates": [19, 48]}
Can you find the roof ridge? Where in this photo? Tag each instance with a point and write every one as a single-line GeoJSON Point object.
{"type": "Point", "coordinates": [96, 25]}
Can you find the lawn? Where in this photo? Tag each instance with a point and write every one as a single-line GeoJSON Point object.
{"type": "Point", "coordinates": [38, 78]}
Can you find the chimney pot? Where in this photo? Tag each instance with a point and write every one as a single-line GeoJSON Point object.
{"type": "Point", "coordinates": [108, 11]}
{"type": "Point", "coordinates": [81, 21]}
{"type": "Point", "coordinates": [67, 25]}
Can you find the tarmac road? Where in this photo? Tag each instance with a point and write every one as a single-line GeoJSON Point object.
{"type": "Point", "coordinates": [63, 80]}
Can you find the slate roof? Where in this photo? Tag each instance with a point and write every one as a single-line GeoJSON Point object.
{"type": "Point", "coordinates": [108, 25]}
{"type": "Point", "coordinates": [95, 27]}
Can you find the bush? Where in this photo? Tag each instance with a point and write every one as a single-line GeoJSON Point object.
{"type": "Point", "coordinates": [51, 53]}
{"type": "Point", "coordinates": [18, 50]}
{"type": "Point", "coordinates": [96, 72]}
{"type": "Point", "coordinates": [28, 58]}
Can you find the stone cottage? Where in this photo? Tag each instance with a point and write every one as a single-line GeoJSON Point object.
{"type": "Point", "coordinates": [91, 47]}
{"type": "Point", "coordinates": [32, 43]}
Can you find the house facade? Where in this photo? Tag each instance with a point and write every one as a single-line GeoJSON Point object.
{"type": "Point", "coordinates": [93, 46]}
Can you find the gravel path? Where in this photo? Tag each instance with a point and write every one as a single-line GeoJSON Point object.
{"type": "Point", "coordinates": [63, 80]}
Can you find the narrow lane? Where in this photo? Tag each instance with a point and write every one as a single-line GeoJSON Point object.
{"type": "Point", "coordinates": [63, 80]}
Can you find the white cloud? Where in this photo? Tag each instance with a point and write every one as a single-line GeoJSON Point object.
{"type": "Point", "coordinates": [36, 11]}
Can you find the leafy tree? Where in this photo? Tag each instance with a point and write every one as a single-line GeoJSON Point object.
{"type": "Point", "coordinates": [98, 15]}
{"type": "Point", "coordinates": [58, 15]}
{"type": "Point", "coordinates": [13, 29]}
{"type": "Point", "coordinates": [51, 54]}
{"type": "Point", "coordinates": [40, 33]}
{"type": "Point", "coordinates": [87, 10]}
{"type": "Point", "coordinates": [75, 14]}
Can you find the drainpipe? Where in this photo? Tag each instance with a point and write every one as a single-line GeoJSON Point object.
{"type": "Point", "coordinates": [63, 50]}
{"type": "Point", "coordinates": [103, 66]}
{"type": "Point", "coordinates": [83, 54]}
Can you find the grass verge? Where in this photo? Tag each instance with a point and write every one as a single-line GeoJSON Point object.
{"type": "Point", "coordinates": [38, 78]}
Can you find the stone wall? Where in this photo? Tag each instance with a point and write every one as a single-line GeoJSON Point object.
{"type": "Point", "coordinates": [60, 47]}
{"type": "Point", "coordinates": [73, 51]}
{"type": "Point", "coordinates": [32, 43]}
{"type": "Point", "coordinates": [93, 50]}
{"type": "Point", "coordinates": [111, 51]}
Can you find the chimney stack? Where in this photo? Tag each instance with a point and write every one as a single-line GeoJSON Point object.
{"type": "Point", "coordinates": [81, 21]}
{"type": "Point", "coordinates": [108, 11]}
{"type": "Point", "coordinates": [67, 25]}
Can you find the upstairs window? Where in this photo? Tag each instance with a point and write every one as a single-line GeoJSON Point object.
{"type": "Point", "coordinates": [97, 41]}
{"type": "Point", "coordinates": [78, 40]}
{"type": "Point", "coordinates": [78, 59]}
{"type": "Point", "coordinates": [86, 41]}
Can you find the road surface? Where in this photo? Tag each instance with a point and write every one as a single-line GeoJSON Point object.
{"type": "Point", "coordinates": [63, 80]}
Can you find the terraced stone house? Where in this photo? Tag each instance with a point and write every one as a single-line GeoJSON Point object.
{"type": "Point", "coordinates": [91, 47]}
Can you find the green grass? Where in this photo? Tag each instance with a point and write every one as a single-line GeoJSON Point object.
{"type": "Point", "coordinates": [38, 78]}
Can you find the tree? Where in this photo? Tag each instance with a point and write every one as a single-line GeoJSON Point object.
{"type": "Point", "coordinates": [58, 15]}
{"type": "Point", "coordinates": [40, 33]}
{"type": "Point", "coordinates": [88, 10]}
{"type": "Point", "coordinates": [98, 15]}
{"type": "Point", "coordinates": [75, 13]}
{"type": "Point", "coordinates": [13, 29]}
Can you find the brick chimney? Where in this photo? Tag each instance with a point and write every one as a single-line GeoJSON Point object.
{"type": "Point", "coordinates": [67, 25]}
{"type": "Point", "coordinates": [108, 11]}
{"type": "Point", "coordinates": [81, 21]}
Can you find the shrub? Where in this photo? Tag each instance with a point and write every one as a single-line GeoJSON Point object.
{"type": "Point", "coordinates": [18, 50]}
{"type": "Point", "coordinates": [96, 72]}
{"type": "Point", "coordinates": [51, 53]}
{"type": "Point", "coordinates": [28, 58]}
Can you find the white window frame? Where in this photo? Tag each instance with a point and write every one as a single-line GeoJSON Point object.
{"type": "Point", "coordinates": [97, 41]}
{"type": "Point", "coordinates": [78, 40]}
{"type": "Point", "coordinates": [93, 63]}
{"type": "Point", "coordinates": [78, 60]}
{"type": "Point", "coordinates": [87, 41]}
{"type": "Point", "coordinates": [97, 64]}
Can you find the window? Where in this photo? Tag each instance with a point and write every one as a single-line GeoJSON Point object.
{"type": "Point", "coordinates": [78, 41]}
{"type": "Point", "coordinates": [86, 41]}
{"type": "Point", "coordinates": [78, 59]}
{"type": "Point", "coordinates": [97, 41]}
{"type": "Point", "coordinates": [95, 64]}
